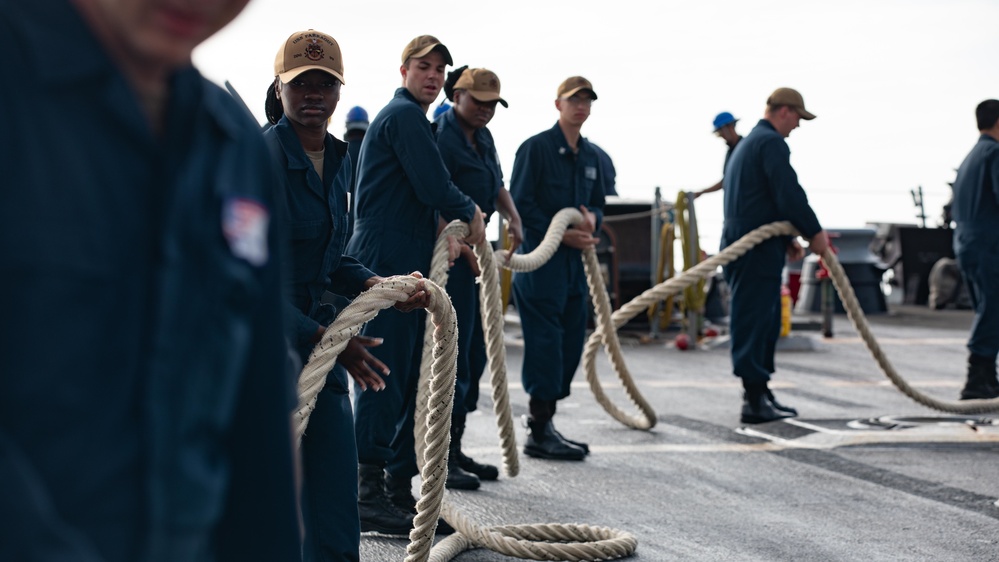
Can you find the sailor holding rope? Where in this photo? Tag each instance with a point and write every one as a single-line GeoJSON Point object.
{"type": "Point", "coordinates": [555, 169]}
{"type": "Point", "coordinates": [761, 187]}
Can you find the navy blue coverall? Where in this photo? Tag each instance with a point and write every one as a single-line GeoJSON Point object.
{"type": "Point", "coordinates": [606, 170]}
{"type": "Point", "coordinates": [760, 187]}
{"type": "Point", "coordinates": [728, 155]}
{"type": "Point", "coordinates": [144, 402]}
{"type": "Point", "coordinates": [315, 212]}
{"type": "Point", "coordinates": [976, 241]}
{"type": "Point", "coordinates": [548, 177]}
{"type": "Point", "coordinates": [477, 173]}
{"type": "Point", "coordinates": [402, 186]}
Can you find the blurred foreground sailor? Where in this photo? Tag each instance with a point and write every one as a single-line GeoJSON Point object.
{"type": "Point", "coordinates": [144, 397]}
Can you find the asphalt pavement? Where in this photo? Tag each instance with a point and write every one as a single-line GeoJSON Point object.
{"type": "Point", "coordinates": [864, 472]}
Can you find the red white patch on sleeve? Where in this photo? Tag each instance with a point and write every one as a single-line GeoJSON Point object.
{"type": "Point", "coordinates": [245, 223]}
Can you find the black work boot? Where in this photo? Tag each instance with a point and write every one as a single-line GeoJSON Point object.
{"type": "Point", "coordinates": [757, 407]}
{"type": "Point", "coordinates": [377, 512]}
{"type": "Point", "coordinates": [584, 446]}
{"type": "Point", "coordinates": [778, 406]}
{"type": "Point", "coordinates": [544, 443]}
{"type": "Point", "coordinates": [457, 478]}
{"type": "Point", "coordinates": [400, 494]}
{"type": "Point", "coordinates": [482, 471]}
{"type": "Point", "coordinates": [981, 383]}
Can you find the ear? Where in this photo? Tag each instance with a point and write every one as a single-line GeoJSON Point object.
{"type": "Point", "coordinates": [277, 88]}
{"type": "Point", "coordinates": [558, 104]}
{"type": "Point", "coordinates": [404, 71]}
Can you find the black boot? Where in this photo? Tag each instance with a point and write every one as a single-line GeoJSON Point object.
{"type": "Point", "coordinates": [544, 443]}
{"type": "Point", "coordinates": [400, 495]}
{"type": "Point", "coordinates": [757, 407]}
{"type": "Point", "coordinates": [778, 406]}
{"type": "Point", "coordinates": [981, 383]}
{"type": "Point", "coordinates": [584, 446]}
{"type": "Point", "coordinates": [482, 471]}
{"type": "Point", "coordinates": [377, 512]}
{"type": "Point", "coordinates": [457, 478]}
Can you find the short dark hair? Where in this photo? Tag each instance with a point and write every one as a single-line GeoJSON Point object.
{"type": "Point", "coordinates": [987, 113]}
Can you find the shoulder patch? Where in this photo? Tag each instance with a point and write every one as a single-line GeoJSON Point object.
{"type": "Point", "coordinates": [244, 223]}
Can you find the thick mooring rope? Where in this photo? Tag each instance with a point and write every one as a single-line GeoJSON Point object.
{"type": "Point", "coordinates": [545, 541]}
{"type": "Point", "coordinates": [856, 316]}
{"type": "Point", "coordinates": [840, 281]}
{"type": "Point", "coordinates": [436, 385]}
{"type": "Point", "coordinates": [492, 327]}
{"type": "Point", "coordinates": [605, 333]}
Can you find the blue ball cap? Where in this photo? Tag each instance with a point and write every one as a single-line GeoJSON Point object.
{"type": "Point", "coordinates": [722, 119]}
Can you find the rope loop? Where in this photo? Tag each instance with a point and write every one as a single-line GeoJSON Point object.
{"type": "Point", "coordinates": [436, 384]}
{"type": "Point", "coordinates": [534, 542]}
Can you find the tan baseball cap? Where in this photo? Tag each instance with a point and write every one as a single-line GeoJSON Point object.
{"type": "Point", "coordinates": [481, 84]}
{"type": "Point", "coordinates": [305, 51]}
{"type": "Point", "coordinates": [791, 98]}
{"type": "Point", "coordinates": [574, 84]}
{"type": "Point", "coordinates": [421, 46]}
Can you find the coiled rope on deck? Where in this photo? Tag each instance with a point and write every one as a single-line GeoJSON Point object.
{"type": "Point", "coordinates": [545, 541]}
{"type": "Point", "coordinates": [437, 383]}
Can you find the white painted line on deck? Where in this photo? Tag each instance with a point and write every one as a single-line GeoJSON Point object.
{"type": "Point", "coordinates": [899, 341]}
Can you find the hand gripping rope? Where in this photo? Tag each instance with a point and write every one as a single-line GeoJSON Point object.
{"type": "Point", "coordinates": [437, 386]}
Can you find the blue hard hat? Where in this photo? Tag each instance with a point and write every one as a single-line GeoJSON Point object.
{"type": "Point", "coordinates": [441, 109]}
{"type": "Point", "coordinates": [722, 119]}
{"type": "Point", "coordinates": [357, 118]}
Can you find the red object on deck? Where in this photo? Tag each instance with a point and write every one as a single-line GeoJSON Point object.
{"type": "Point", "coordinates": [793, 283]}
{"type": "Point", "coordinates": [682, 342]}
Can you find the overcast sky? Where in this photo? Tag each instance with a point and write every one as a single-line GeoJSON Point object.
{"type": "Point", "coordinates": [894, 83]}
